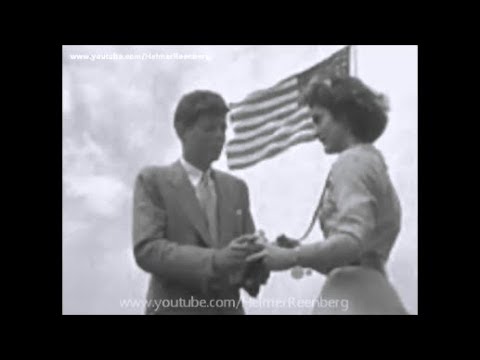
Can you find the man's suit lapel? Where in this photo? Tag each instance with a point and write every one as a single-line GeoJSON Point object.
{"type": "Point", "coordinates": [226, 216]}
{"type": "Point", "coordinates": [188, 201]}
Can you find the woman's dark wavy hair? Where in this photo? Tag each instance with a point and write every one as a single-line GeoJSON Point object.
{"type": "Point", "coordinates": [350, 101]}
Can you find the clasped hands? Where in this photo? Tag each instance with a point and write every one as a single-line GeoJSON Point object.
{"type": "Point", "coordinates": [255, 248]}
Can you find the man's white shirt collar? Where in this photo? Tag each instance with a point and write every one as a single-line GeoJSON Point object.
{"type": "Point", "coordinates": [194, 174]}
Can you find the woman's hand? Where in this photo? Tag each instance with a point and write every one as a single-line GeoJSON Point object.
{"type": "Point", "coordinates": [275, 257]}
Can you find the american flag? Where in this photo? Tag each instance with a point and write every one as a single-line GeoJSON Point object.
{"type": "Point", "coordinates": [269, 121]}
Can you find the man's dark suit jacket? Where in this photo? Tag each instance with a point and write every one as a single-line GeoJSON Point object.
{"type": "Point", "coordinates": [172, 243]}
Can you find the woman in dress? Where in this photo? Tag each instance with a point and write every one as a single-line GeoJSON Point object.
{"type": "Point", "coordinates": [359, 211]}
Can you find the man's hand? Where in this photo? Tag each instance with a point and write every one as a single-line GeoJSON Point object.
{"type": "Point", "coordinates": [276, 258]}
{"type": "Point", "coordinates": [255, 276]}
{"type": "Point", "coordinates": [286, 242]}
{"type": "Point", "coordinates": [234, 255]}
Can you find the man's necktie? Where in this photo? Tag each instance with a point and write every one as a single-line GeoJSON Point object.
{"type": "Point", "coordinates": [208, 201]}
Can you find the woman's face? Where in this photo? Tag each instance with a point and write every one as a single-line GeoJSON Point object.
{"type": "Point", "coordinates": [331, 133]}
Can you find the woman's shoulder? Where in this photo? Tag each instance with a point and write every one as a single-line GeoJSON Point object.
{"type": "Point", "coordinates": [360, 161]}
{"type": "Point", "coordinates": [358, 157]}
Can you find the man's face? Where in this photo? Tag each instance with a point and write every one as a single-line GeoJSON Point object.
{"type": "Point", "coordinates": [204, 140]}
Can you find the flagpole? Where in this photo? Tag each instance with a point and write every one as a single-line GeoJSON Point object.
{"type": "Point", "coordinates": [354, 63]}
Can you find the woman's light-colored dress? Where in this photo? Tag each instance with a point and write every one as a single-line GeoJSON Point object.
{"type": "Point", "coordinates": [360, 201]}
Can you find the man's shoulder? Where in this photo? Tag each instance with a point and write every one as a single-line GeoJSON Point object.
{"type": "Point", "coordinates": [155, 172]}
{"type": "Point", "coordinates": [230, 179]}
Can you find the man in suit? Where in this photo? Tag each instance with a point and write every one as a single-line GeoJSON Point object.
{"type": "Point", "coordinates": [192, 226]}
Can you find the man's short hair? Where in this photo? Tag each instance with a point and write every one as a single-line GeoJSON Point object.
{"type": "Point", "coordinates": [197, 103]}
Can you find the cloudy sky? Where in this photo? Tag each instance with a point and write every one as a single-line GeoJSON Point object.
{"type": "Point", "coordinates": [118, 117]}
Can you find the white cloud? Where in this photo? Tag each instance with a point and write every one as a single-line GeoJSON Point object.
{"type": "Point", "coordinates": [72, 228]}
{"type": "Point", "coordinates": [104, 195]}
